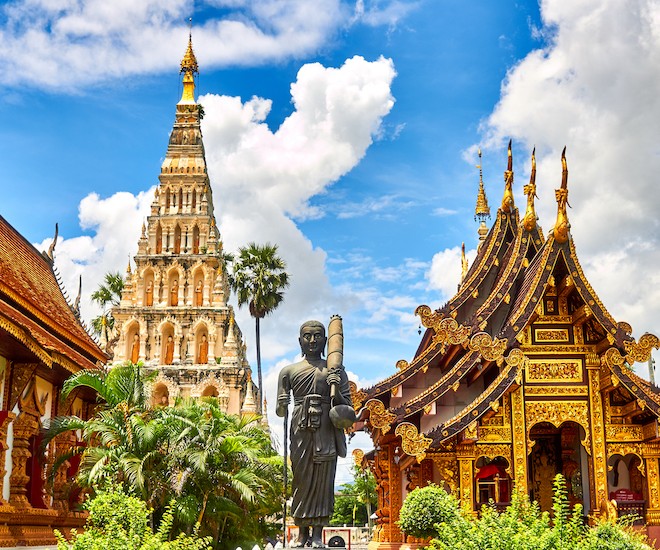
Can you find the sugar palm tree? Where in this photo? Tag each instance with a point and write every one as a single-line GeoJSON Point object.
{"type": "Point", "coordinates": [107, 295]}
{"type": "Point", "coordinates": [259, 278]}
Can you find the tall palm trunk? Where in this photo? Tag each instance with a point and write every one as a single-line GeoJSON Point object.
{"type": "Point", "coordinates": [260, 394]}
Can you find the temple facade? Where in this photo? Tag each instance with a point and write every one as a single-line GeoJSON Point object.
{"type": "Point", "coordinates": [522, 375]}
{"type": "Point", "coordinates": [42, 343]}
{"type": "Point", "coordinates": [174, 316]}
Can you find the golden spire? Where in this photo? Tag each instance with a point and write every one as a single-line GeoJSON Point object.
{"type": "Point", "coordinates": [562, 226]}
{"type": "Point", "coordinates": [507, 200]}
{"type": "Point", "coordinates": [529, 221]}
{"type": "Point", "coordinates": [482, 211]}
{"type": "Point", "coordinates": [464, 263]}
{"type": "Point", "coordinates": [190, 68]}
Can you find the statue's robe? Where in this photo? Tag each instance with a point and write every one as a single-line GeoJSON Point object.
{"type": "Point", "coordinates": [315, 442]}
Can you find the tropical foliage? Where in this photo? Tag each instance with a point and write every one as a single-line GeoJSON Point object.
{"type": "Point", "coordinates": [120, 522]}
{"type": "Point", "coordinates": [355, 500]}
{"type": "Point", "coordinates": [221, 470]}
{"type": "Point", "coordinates": [522, 526]}
{"type": "Point", "coordinates": [107, 295]}
{"type": "Point", "coordinates": [259, 278]}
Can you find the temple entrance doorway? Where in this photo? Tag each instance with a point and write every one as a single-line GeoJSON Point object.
{"type": "Point", "coordinates": [558, 451]}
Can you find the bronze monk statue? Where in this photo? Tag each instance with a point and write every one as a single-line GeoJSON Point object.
{"type": "Point", "coordinates": [315, 440]}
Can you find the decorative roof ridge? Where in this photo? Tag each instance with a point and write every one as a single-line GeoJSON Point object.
{"type": "Point", "coordinates": [440, 387]}
{"type": "Point", "coordinates": [632, 382]}
{"type": "Point", "coordinates": [518, 250]}
{"type": "Point", "coordinates": [509, 375]}
{"type": "Point", "coordinates": [486, 255]}
{"type": "Point", "coordinates": [538, 273]}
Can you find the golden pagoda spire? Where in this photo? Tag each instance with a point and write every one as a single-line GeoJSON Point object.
{"type": "Point", "coordinates": [507, 200]}
{"type": "Point", "coordinates": [482, 210]}
{"type": "Point", "coordinates": [562, 226]}
{"type": "Point", "coordinates": [464, 263]}
{"type": "Point", "coordinates": [189, 68]}
{"type": "Point", "coordinates": [529, 221]}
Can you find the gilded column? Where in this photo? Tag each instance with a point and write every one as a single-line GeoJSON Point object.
{"type": "Point", "coordinates": [465, 457]}
{"type": "Point", "coordinates": [653, 480]}
{"type": "Point", "coordinates": [598, 454]}
{"type": "Point", "coordinates": [6, 418]}
{"type": "Point", "coordinates": [519, 436]}
{"type": "Point", "coordinates": [395, 499]}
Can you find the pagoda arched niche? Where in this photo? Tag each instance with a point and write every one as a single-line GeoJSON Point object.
{"type": "Point", "coordinates": [168, 199]}
{"type": "Point", "coordinates": [130, 330]}
{"type": "Point", "coordinates": [558, 447]}
{"type": "Point", "coordinates": [626, 479]}
{"type": "Point", "coordinates": [160, 395]}
{"type": "Point", "coordinates": [198, 286]}
{"type": "Point", "coordinates": [208, 387]}
{"type": "Point", "coordinates": [493, 474]}
{"type": "Point", "coordinates": [168, 348]}
{"type": "Point", "coordinates": [203, 339]}
{"type": "Point", "coordinates": [149, 287]}
{"type": "Point", "coordinates": [174, 282]}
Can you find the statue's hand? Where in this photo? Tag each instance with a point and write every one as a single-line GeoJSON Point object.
{"type": "Point", "coordinates": [283, 401]}
{"type": "Point", "coordinates": [334, 378]}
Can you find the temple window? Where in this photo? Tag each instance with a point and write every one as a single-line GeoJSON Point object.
{"type": "Point", "coordinates": [493, 481]}
{"type": "Point", "coordinates": [177, 239]}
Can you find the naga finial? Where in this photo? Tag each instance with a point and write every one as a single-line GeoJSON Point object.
{"type": "Point", "coordinates": [464, 263]}
{"type": "Point", "coordinates": [529, 220]}
{"type": "Point", "coordinates": [507, 200]}
{"type": "Point", "coordinates": [51, 248]}
{"type": "Point", "coordinates": [562, 226]}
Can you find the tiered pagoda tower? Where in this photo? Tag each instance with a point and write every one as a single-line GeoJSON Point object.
{"type": "Point", "coordinates": [173, 314]}
{"type": "Point", "coordinates": [522, 375]}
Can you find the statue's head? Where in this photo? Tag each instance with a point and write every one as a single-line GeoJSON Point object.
{"type": "Point", "coordinates": [312, 339]}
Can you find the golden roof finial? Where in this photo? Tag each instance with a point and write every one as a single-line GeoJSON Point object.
{"type": "Point", "coordinates": [128, 268]}
{"type": "Point", "coordinates": [529, 221]}
{"type": "Point", "coordinates": [464, 263]}
{"type": "Point", "coordinates": [562, 226]}
{"type": "Point", "coordinates": [507, 200]}
{"type": "Point", "coordinates": [482, 210]}
{"type": "Point", "coordinates": [190, 68]}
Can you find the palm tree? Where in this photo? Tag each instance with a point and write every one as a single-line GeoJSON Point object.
{"type": "Point", "coordinates": [259, 280]}
{"type": "Point", "coordinates": [107, 294]}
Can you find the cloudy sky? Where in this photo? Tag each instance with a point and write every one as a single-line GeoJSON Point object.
{"type": "Point", "coordinates": [346, 133]}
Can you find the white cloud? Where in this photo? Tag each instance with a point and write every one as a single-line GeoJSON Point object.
{"type": "Point", "coordinates": [379, 12]}
{"type": "Point", "coordinates": [93, 40]}
{"type": "Point", "coordinates": [445, 272]}
{"type": "Point", "coordinates": [596, 89]}
{"type": "Point", "coordinates": [115, 226]}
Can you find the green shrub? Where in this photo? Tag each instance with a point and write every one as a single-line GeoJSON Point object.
{"type": "Point", "coordinates": [121, 522]}
{"type": "Point", "coordinates": [425, 507]}
{"type": "Point", "coordinates": [522, 526]}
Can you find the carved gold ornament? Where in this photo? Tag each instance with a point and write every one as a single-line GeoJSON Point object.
{"type": "Point", "coordinates": [491, 350]}
{"type": "Point", "coordinates": [549, 370]}
{"type": "Point", "coordinates": [412, 442]}
{"type": "Point", "coordinates": [636, 352]}
{"type": "Point", "coordinates": [556, 413]}
{"type": "Point", "coordinates": [447, 330]}
{"type": "Point", "coordinates": [379, 416]}
{"type": "Point", "coordinates": [357, 396]}
{"type": "Point", "coordinates": [493, 451]}
{"type": "Point", "coordinates": [624, 449]}
{"type": "Point", "coordinates": [358, 457]}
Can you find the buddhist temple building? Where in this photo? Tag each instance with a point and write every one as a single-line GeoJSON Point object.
{"type": "Point", "coordinates": [522, 375]}
{"type": "Point", "coordinates": [173, 314]}
{"type": "Point", "coordinates": [42, 343]}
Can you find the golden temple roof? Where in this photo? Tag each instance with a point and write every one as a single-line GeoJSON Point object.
{"type": "Point", "coordinates": [190, 68]}
{"type": "Point", "coordinates": [189, 61]}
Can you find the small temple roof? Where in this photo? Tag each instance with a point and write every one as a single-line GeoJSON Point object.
{"type": "Point", "coordinates": [35, 308]}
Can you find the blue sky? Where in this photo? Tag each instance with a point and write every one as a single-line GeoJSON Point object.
{"type": "Point", "coordinates": [366, 178]}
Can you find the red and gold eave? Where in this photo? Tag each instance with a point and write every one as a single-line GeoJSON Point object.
{"type": "Point", "coordinates": [34, 314]}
